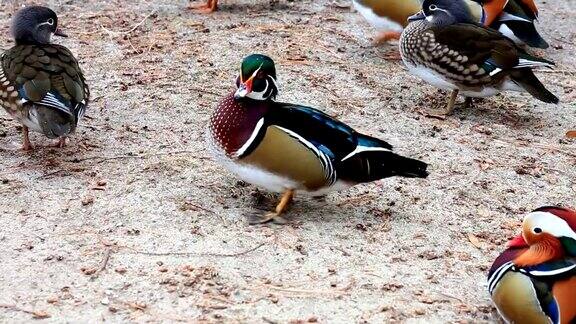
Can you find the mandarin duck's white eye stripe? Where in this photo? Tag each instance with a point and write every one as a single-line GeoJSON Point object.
{"type": "Point", "coordinates": [253, 73]}
{"type": "Point", "coordinates": [257, 70]}
{"type": "Point", "coordinates": [549, 223]}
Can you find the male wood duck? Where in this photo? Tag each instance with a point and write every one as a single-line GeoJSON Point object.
{"type": "Point", "coordinates": [41, 84]}
{"type": "Point", "coordinates": [514, 18]}
{"type": "Point", "coordinates": [285, 147]}
{"type": "Point", "coordinates": [443, 46]}
{"type": "Point", "coordinates": [534, 280]}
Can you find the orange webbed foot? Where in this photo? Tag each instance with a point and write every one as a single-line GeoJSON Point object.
{"type": "Point", "coordinates": [205, 8]}
{"type": "Point", "coordinates": [386, 36]}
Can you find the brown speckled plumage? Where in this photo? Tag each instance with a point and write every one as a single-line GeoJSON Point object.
{"type": "Point", "coordinates": [420, 47]}
{"type": "Point", "coordinates": [445, 47]}
{"type": "Point", "coordinates": [40, 69]}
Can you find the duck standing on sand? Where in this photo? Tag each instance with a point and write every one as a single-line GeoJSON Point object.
{"type": "Point", "coordinates": [41, 84]}
{"type": "Point", "coordinates": [285, 147]}
{"type": "Point", "coordinates": [445, 47]}
{"type": "Point", "coordinates": [514, 18]}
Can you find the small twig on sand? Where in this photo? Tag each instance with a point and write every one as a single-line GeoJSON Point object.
{"type": "Point", "coordinates": [116, 33]}
{"type": "Point", "coordinates": [135, 156]}
{"type": "Point", "coordinates": [35, 314]}
{"type": "Point", "coordinates": [538, 145]}
{"type": "Point", "coordinates": [50, 174]}
{"type": "Point", "coordinates": [201, 254]}
{"type": "Point", "coordinates": [449, 296]}
{"type": "Point", "coordinates": [558, 71]}
{"type": "Point", "coordinates": [105, 260]}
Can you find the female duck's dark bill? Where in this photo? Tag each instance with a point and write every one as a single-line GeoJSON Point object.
{"type": "Point", "coordinates": [418, 16]}
{"type": "Point", "coordinates": [60, 33]}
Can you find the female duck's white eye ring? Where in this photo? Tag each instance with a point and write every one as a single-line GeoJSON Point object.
{"type": "Point", "coordinates": [50, 21]}
{"type": "Point", "coordinates": [432, 7]}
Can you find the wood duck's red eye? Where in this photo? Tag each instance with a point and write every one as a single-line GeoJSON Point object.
{"type": "Point", "coordinates": [260, 74]}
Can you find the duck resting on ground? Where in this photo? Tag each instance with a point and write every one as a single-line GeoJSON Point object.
{"type": "Point", "coordinates": [285, 147]}
{"type": "Point", "coordinates": [41, 84]}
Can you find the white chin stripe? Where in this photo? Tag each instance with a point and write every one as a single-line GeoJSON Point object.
{"type": "Point", "coordinates": [259, 95]}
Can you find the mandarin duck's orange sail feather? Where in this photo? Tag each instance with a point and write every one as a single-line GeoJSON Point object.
{"type": "Point", "coordinates": [493, 10]}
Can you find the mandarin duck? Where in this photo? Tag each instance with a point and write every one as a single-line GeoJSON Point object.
{"type": "Point", "coordinates": [41, 84]}
{"type": "Point", "coordinates": [286, 147]}
{"type": "Point", "coordinates": [514, 18]}
{"type": "Point", "coordinates": [534, 280]}
{"type": "Point", "coordinates": [443, 46]}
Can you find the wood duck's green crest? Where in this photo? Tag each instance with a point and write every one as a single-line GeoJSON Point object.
{"type": "Point", "coordinates": [35, 25]}
{"type": "Point", "coordinates": [257, 79]}
{"type": "Point", "coordinates": [444, 12]}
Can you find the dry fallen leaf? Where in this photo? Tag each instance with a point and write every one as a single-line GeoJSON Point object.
{"type": "Point", "coordinates": [571, 134]}
{"type": "Point", "coordinates": [40, 314]}
{"type": "Point", "coordinates": [474, 240]}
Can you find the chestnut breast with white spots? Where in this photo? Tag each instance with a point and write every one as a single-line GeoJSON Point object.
{"type": "Point", "coordinates": [420, 48]}
{"type": "Point", "coordinates": [234, 121]}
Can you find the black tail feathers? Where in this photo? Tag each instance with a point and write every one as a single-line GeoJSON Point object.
{"type": "Point", "coordinates": [374, 165]}
{"type": "Point", "coordinates": [526, 32]}
{"type": "Point", "coordinates": [527, 80]}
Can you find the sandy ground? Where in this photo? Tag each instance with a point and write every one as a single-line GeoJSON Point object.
{"type": "Point", "coordinates": [132, 221]}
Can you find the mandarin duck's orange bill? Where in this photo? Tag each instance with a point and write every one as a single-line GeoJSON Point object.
{"type": "Point", "coordinates": [534, 280]}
